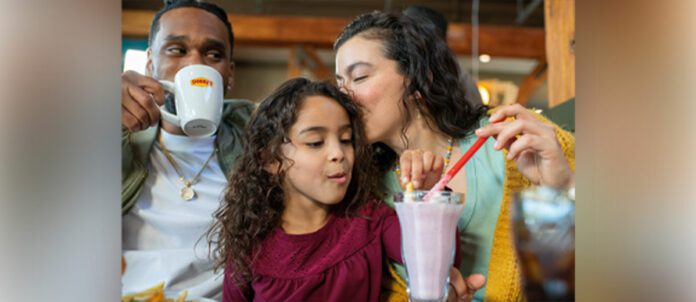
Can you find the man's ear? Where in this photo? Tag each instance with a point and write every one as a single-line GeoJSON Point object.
{"type": "Point", "coordinates": [148, 65]}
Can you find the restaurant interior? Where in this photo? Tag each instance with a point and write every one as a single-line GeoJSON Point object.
{"type": "Point", "coordinates": [518, 51]}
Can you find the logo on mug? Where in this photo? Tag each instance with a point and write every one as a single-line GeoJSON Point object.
{"type": "Point", "coordinates": [201, 82]}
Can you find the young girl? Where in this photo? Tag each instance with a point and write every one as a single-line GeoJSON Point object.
{"type": "Point", "coordinates": [302, 218]}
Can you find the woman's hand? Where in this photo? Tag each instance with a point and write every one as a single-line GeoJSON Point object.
{"type": "Point", "coordinates": [463, 289]}
{"type": "Point", "coordinates": [532, 144]}
{"type": "Point", "coordinates": [422, 168]}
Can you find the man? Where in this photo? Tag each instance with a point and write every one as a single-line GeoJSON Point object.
{"type": "Point", "coordinates": [162, 228]}
{"type": "Point", "coordinates": [439, 24]}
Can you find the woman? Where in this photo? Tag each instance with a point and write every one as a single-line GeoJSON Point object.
{"type": "Point", "coordinates": [407, 80]}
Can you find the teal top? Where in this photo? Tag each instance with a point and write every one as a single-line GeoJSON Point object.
{"type": "Point", "coordinates": [485, 176]}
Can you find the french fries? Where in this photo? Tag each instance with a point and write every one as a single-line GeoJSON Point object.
{"type": "Point", "coordinates": [155, 294]}
{"type": "Point", "coordinates": [182, 296]}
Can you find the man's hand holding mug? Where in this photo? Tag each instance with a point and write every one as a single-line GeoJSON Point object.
{"type": "Point", "coordinates": [141, 97]}
{"type": "Point", "coordinates": [198, 94]}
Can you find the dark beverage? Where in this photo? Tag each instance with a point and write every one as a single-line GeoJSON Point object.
{"type": "Point", "coordinates": [544, 230]}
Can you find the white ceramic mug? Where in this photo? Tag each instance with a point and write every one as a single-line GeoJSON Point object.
{"type": "Point", "coordinates": [198, 97]}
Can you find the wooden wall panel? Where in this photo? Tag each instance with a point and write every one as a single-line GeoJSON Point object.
{"type": "Point", "coordinates": [560, 52]}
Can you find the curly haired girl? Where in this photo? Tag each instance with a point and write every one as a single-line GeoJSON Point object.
{"type": "Point", "coordinates": [302, 219]}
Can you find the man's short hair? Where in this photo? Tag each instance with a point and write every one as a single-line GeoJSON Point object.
{"type": "Point", "coordinates": [436, 18]}
{"type": "Point", "coordinates": [209, 7]}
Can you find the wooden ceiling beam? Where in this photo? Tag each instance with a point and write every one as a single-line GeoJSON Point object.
{"type": "Point", "coordinates": [320, 32]}
{"type": "Point", "coordinates": [255, 30]}
{"type": "Point", "coordinates": [498, 41]}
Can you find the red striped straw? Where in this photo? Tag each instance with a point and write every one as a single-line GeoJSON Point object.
{"type": "Point", "coordinates": [440, 185]}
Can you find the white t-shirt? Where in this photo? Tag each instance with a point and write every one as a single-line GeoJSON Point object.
{"type": "Point", "coordinates": [163, 235]}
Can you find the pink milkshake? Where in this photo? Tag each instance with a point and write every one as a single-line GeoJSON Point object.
{"type": "Point", "coordinates": [428, 230]}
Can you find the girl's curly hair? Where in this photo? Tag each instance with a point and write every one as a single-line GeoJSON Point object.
{"type": "Point", "coordinates": [253, 201]}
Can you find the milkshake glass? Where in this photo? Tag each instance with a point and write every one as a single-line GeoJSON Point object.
{"type": "Point", "coordinates": [428, 230]}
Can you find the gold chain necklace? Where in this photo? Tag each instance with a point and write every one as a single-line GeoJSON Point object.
{"type": "Point", "coordinates": [187, 193]}
{"type": "Point", "coordinates": [448, 155]}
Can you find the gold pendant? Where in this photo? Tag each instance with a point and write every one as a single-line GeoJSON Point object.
{"type": "Point", "coordinates": [187, 193]}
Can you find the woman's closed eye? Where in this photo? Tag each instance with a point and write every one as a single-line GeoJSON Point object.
{"type": "Point", "coordinates": [360, 78]}
{"type": "Point", "coordinates": [314, 144]}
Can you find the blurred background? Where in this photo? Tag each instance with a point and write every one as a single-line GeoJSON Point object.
{"type": "Point", "coordinates": [501, 43]}
{"type": "Point", "coordinates": [60, 222]}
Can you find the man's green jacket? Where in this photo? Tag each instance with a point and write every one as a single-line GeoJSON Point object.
{"type": "Point", "coordinates": [136, 146]}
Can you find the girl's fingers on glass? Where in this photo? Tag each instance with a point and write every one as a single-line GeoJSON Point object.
{"type": "Point", "coordinates": [428, 161]}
